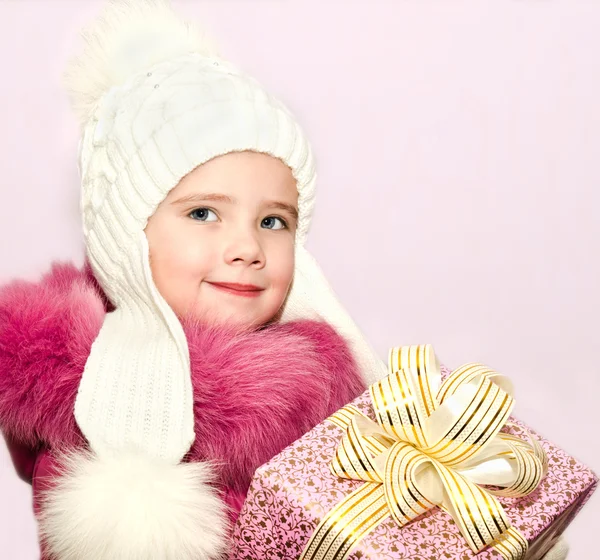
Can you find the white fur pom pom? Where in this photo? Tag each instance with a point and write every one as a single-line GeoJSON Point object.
{"type": "Point", "coordinates": [132, 507]}
{"type": "Point", "coordinates": [128, 37]}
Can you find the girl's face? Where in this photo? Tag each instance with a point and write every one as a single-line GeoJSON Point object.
{"type": "Point", "coordinates": [231, 220]}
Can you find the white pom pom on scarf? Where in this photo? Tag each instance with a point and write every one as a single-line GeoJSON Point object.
{"type": "Point", "coordinates": [130, 507]}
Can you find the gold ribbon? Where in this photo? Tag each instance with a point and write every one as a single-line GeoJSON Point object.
{"type": "Point", "coordinates": [434, 444]}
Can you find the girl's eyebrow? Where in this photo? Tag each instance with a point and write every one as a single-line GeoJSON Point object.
{"type": "Point", "coordinates": [217, 197]}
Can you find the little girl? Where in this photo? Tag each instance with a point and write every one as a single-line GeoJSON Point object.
{"type": "Point", "coordinates": [138, 395]}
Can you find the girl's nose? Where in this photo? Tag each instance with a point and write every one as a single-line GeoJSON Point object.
{"type": "Point", "coordinates": [246, 248]}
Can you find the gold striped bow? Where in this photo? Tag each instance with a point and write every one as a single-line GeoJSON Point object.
{"type": "Point", "coordinates": [434, 444]}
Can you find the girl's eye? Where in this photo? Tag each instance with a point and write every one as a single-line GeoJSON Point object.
{"type": "Point", "coordinates": [200, 214]}
{"type": "Point", "coordinates": [267, 222]}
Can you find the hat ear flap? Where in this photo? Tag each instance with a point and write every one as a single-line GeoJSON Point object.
{"type": "Point", "coordinates": [311, 297]}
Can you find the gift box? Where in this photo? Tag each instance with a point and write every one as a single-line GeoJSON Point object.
{"type": "Point", "coordinates": [305, 503]}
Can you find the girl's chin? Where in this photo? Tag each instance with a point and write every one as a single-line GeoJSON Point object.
{"type": "Point", "coordinates": [219, 318]}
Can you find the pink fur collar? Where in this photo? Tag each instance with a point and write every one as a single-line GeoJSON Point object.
{"type": "Point", "coordinates": [254, 393]}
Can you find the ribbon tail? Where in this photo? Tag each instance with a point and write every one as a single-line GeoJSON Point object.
{"type": "Point", "coordinates": [346, 524]}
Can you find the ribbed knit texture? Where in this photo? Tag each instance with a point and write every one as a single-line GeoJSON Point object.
{"type": "Point", "coordinates": [136, 390]}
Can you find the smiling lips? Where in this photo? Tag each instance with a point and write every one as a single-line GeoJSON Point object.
{"type": "Point", "coordinates": [245, 290]}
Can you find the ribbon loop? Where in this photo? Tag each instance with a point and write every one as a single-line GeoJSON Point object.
{"type": "Point", "coordinates": [403, 496]}
{"type": "Point", "coordinates": [469, 419]}
{"type": "Point", "coordinates": [422, 362]}
{"type": "Point", "coordinates": [399, 407]}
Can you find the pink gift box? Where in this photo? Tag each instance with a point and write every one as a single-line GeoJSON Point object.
{"type": "Point", "coordinates": [290, 495]}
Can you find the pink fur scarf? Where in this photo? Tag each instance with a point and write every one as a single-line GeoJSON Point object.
{"type": "Point", "coordinates": [254, 392]}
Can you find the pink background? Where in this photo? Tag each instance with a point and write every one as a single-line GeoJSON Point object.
{"type": "Point", "coordinates": [458, 146]}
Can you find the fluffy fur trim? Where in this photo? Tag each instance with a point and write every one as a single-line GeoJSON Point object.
{"type": "Point", "coordinates": [131, 508]}
{"type": "Point", "coordinates": [259, 391]}
{"type": "Point", "coordinates": [46, 332]}
{"type": "Point", "coordinates": [254, 392]}
{"type": "Point", "coordinates": [129, 37]}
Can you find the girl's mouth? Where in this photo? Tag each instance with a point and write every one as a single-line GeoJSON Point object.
{"type": "Point", "coordinates": [238, 289]}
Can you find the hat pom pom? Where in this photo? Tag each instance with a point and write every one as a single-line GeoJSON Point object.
{"type": "Point", "coordinates": [128, 37]}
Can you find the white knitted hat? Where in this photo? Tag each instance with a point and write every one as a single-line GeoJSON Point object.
{"type": "Point", "coordinates": [156, 100]}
